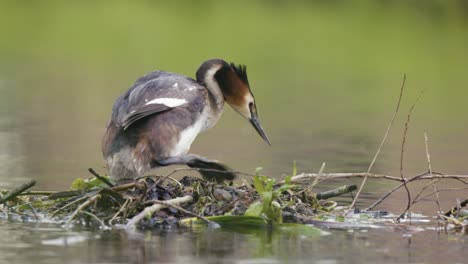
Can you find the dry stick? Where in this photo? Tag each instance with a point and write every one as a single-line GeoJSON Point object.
{"type": "Point", "coordinates": [32, 193]}
{"type": "Point", "coordinates": [431, 183]}
{"type": "Point", "coordinates": [405, 132]}
{"type": "Point", "coordinates": [420, 176]}
{"type": "Point", "coordinates": [458, 208]}
{"type": "Point", "coordinates": [428, 156]}
{"type": "Point", "coordinates": [381, 143]}
{"type": "Point", "coordinates": [311, 176]}
{"type": "Point", "coordinates": [304, 177]}
{"type": "Point", "coordinates": [462, 181]}
{"type": "Point", "coordinates": [103, 179]}
{"type": "Point", "coordinates": [104, 226]}
{"type": "Point", "coordinates": [64, 194]}
{"type": "Point", "coordinates": [17, 191]}
{"type": "Point", "coordinates": [462, 204]}
{"type": "Point", "coordinates": [336, 192]}
{"type": "Point", "coordinates": [81, 207]}
{"type": "Point", "coordinates": [442, 190]}
{"type": "Point", "coordinates": [315, 182]}
{"type": "Point", "coordinates": [154, 208]}
{"type": "Point", "coordinates": [204, 219]}
{"type": "Point", "coordinates": [320, 173]}
{"type": "Point", "coordinates": [121, 209]}
{"type": "Point", "coordinates": [126, 186]}
{"type": "Point", "coordinates": [68, 205]}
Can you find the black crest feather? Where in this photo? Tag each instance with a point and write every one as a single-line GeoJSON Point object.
{"type": "Point", "coordinates": [241, 71]}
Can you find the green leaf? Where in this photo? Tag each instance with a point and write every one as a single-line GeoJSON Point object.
{"type": "Point", "coordinates": [78, 184]}
{"type": "Point", "coordinates": [266, 201]}
{"type": "Point", "coordinates": [282, 189]}
{"type": "Point", "coordinates": [236, 221]}
{"type": "Point", "coordinates": [258, 184]}
{"type": "Point", "coordinates": [288, 179]}
{"type": "Point", "coordinates": [255, 209]}
{"type": "Point", "coordinates": [251, 224]}
{"type": "Point", "coordinates": [86, 184]}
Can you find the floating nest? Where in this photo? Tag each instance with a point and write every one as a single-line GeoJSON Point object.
{"type": "Point", "coordinates": [161, 201]}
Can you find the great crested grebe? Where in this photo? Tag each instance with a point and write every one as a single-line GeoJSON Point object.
{"type": "Point", "coordinates": [156, 120]}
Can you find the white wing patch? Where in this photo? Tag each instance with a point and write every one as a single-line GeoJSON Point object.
{"type": "Point", "coordinates": [171, 102]}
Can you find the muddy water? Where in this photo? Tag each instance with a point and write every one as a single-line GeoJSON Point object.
{"type": "Point", "coordinates": [326, 78]}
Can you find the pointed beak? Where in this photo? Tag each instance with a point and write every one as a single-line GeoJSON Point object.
{"type": "Point", "coordinates": [256, 124]}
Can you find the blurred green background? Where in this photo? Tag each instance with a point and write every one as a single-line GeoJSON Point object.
{"type": "Point", "coordinates": [326, 76]}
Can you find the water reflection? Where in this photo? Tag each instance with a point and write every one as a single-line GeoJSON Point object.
{"type": "Point", "coordinates": [26, 244]}
{"type": "Point", "coordinates": [11, 148]}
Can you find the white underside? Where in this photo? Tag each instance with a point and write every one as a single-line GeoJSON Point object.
{"type": "Point", "coordinates": [188, 135]}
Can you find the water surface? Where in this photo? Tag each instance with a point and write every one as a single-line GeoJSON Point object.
{"type": "Point", "coordinates": [326, 77]}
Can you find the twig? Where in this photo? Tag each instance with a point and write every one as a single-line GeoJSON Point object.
{"type": "Point", "coordinates": [68, 205]}
{"type": "Point", "coordinates": [33, 193]}
{"type": "Point", "coordinates": [441, 190]}
{"type": "Point", "coordinates": [17, 191]}
{"type": "Point", "coordinates": [431, 183]}
{"type": "Point", "coordinates": [428, 156]}
{"type": "Point", "coordinates": [304, 177]}
{"type": "Point", "coordinates": [320, 173]}
{"type": "Point", "coordinates": [462, 181]}
{"type": "Point", "coordinates": [315, 182]}
{"type": "Point", "coordinates": [64, 194]}
{"type": "Point", "coordinates": [311, 176]}
{"type": "Point", "coordinates": [121, 209]}
{"type": "Point", "coordinates": [336, 192]}
{"type": "Point", "coordinates": [126, 186]}
{"type": "Point", "coordinates": [150, 210]}
{"type": "Point", "coordinates": [204, 219]}
{"type": "Point", "coordinates": [462, 204]}
{"type": "Point", "coordinates": [405, 132]}
{"type": "Point", "coordinates": [381, 143]}
{"type": "Point", "coordinates": [103, 179]}
{"type": "Point", "coordinates": [374, 204]}
{"type": "Point", "coordinates": [104, 226]}
{"type": "Point", "coordinates": [81, 207]}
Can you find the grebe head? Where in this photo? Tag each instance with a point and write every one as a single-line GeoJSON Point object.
{"type": "Point", "coordinates": [231, 80]}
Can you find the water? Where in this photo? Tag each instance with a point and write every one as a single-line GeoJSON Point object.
{"type": "Point", "coordinates": [326, 76]}
{"type": "Point", "coordinates": [45, 244]}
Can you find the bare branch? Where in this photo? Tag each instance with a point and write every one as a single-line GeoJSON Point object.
{"type": "Point", "coordinates": [381, 143]}
{"type": "Point", "coordinates": [17, 191]}
{"type": "Point", "coordinates": [403, 151]}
